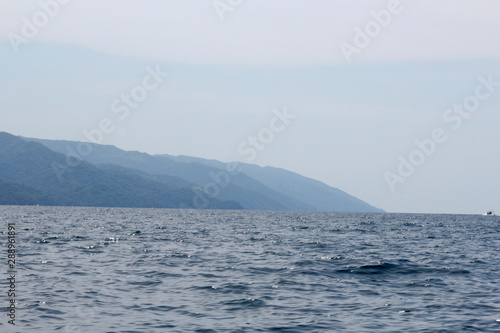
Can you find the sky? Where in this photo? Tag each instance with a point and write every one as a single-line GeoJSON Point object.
{"type": "Point", "coordinates": [394, 102]}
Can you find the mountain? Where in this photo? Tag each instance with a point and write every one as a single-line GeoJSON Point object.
{"type": "Point", "coordinates": [254, 187]}
{"type": "Point", "coordinates": [17, 194]}
{"type": "Point", "coordinates": [250, 193]}
{"type": "Point", "coordinates": [32, 173]}
{"type": "Point", "coordinates": [300, 188]}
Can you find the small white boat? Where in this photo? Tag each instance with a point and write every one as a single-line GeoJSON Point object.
{"type": "Point", "coordinates": [489, 213]}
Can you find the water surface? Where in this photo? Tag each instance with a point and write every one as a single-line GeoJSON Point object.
{"type": "Point", "coordinates": [158, 270]}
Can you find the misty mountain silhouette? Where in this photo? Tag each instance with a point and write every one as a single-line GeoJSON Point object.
{"type": "Point", "coordinates": [50, 172]}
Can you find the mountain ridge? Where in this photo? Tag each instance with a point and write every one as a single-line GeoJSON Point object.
{"type": "Point", "coordinates": [254, 187]}
{"type": "Point", "coordinates": [29, 166]}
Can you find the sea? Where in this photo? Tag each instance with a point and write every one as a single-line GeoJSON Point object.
{"type": "Point", "coordinates": [82, 270]}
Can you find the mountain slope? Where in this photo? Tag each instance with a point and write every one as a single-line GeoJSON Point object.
{"type": "Point", "coordinates": [255, 188]}
{"type": "Point", "coordinates": [17, 194]}
{"type": "Point", "coordinates": [313, 192]}
{"type": "Point", "coordinates": [31, 164]}
{"type": "Point", "coordinates": [300, 188]}
{"type": "Point", "coordinates": [250, 193]}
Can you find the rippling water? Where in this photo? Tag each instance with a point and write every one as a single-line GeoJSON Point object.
{"type": "Point", "coordinates": [152, 270]}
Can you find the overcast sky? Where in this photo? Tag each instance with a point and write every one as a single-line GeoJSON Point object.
{"type": "Point", "coordinates": [364, 80]}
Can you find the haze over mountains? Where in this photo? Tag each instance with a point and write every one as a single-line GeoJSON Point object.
{"type": "Point", "coordinates": [49, 172]}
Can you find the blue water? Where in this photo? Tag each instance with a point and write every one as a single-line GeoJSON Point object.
{"type": "Point", "coordinates": [152, 270]}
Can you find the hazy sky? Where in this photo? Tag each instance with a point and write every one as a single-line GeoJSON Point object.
{"type": "Point", "coordinates": [364, 79]}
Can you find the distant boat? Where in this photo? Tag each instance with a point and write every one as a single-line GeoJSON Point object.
{"type": "Point", "coordinates": [489, 213]}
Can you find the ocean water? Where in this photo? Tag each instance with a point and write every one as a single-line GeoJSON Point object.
{"type": "Point", "coordinates": [159, 270]}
